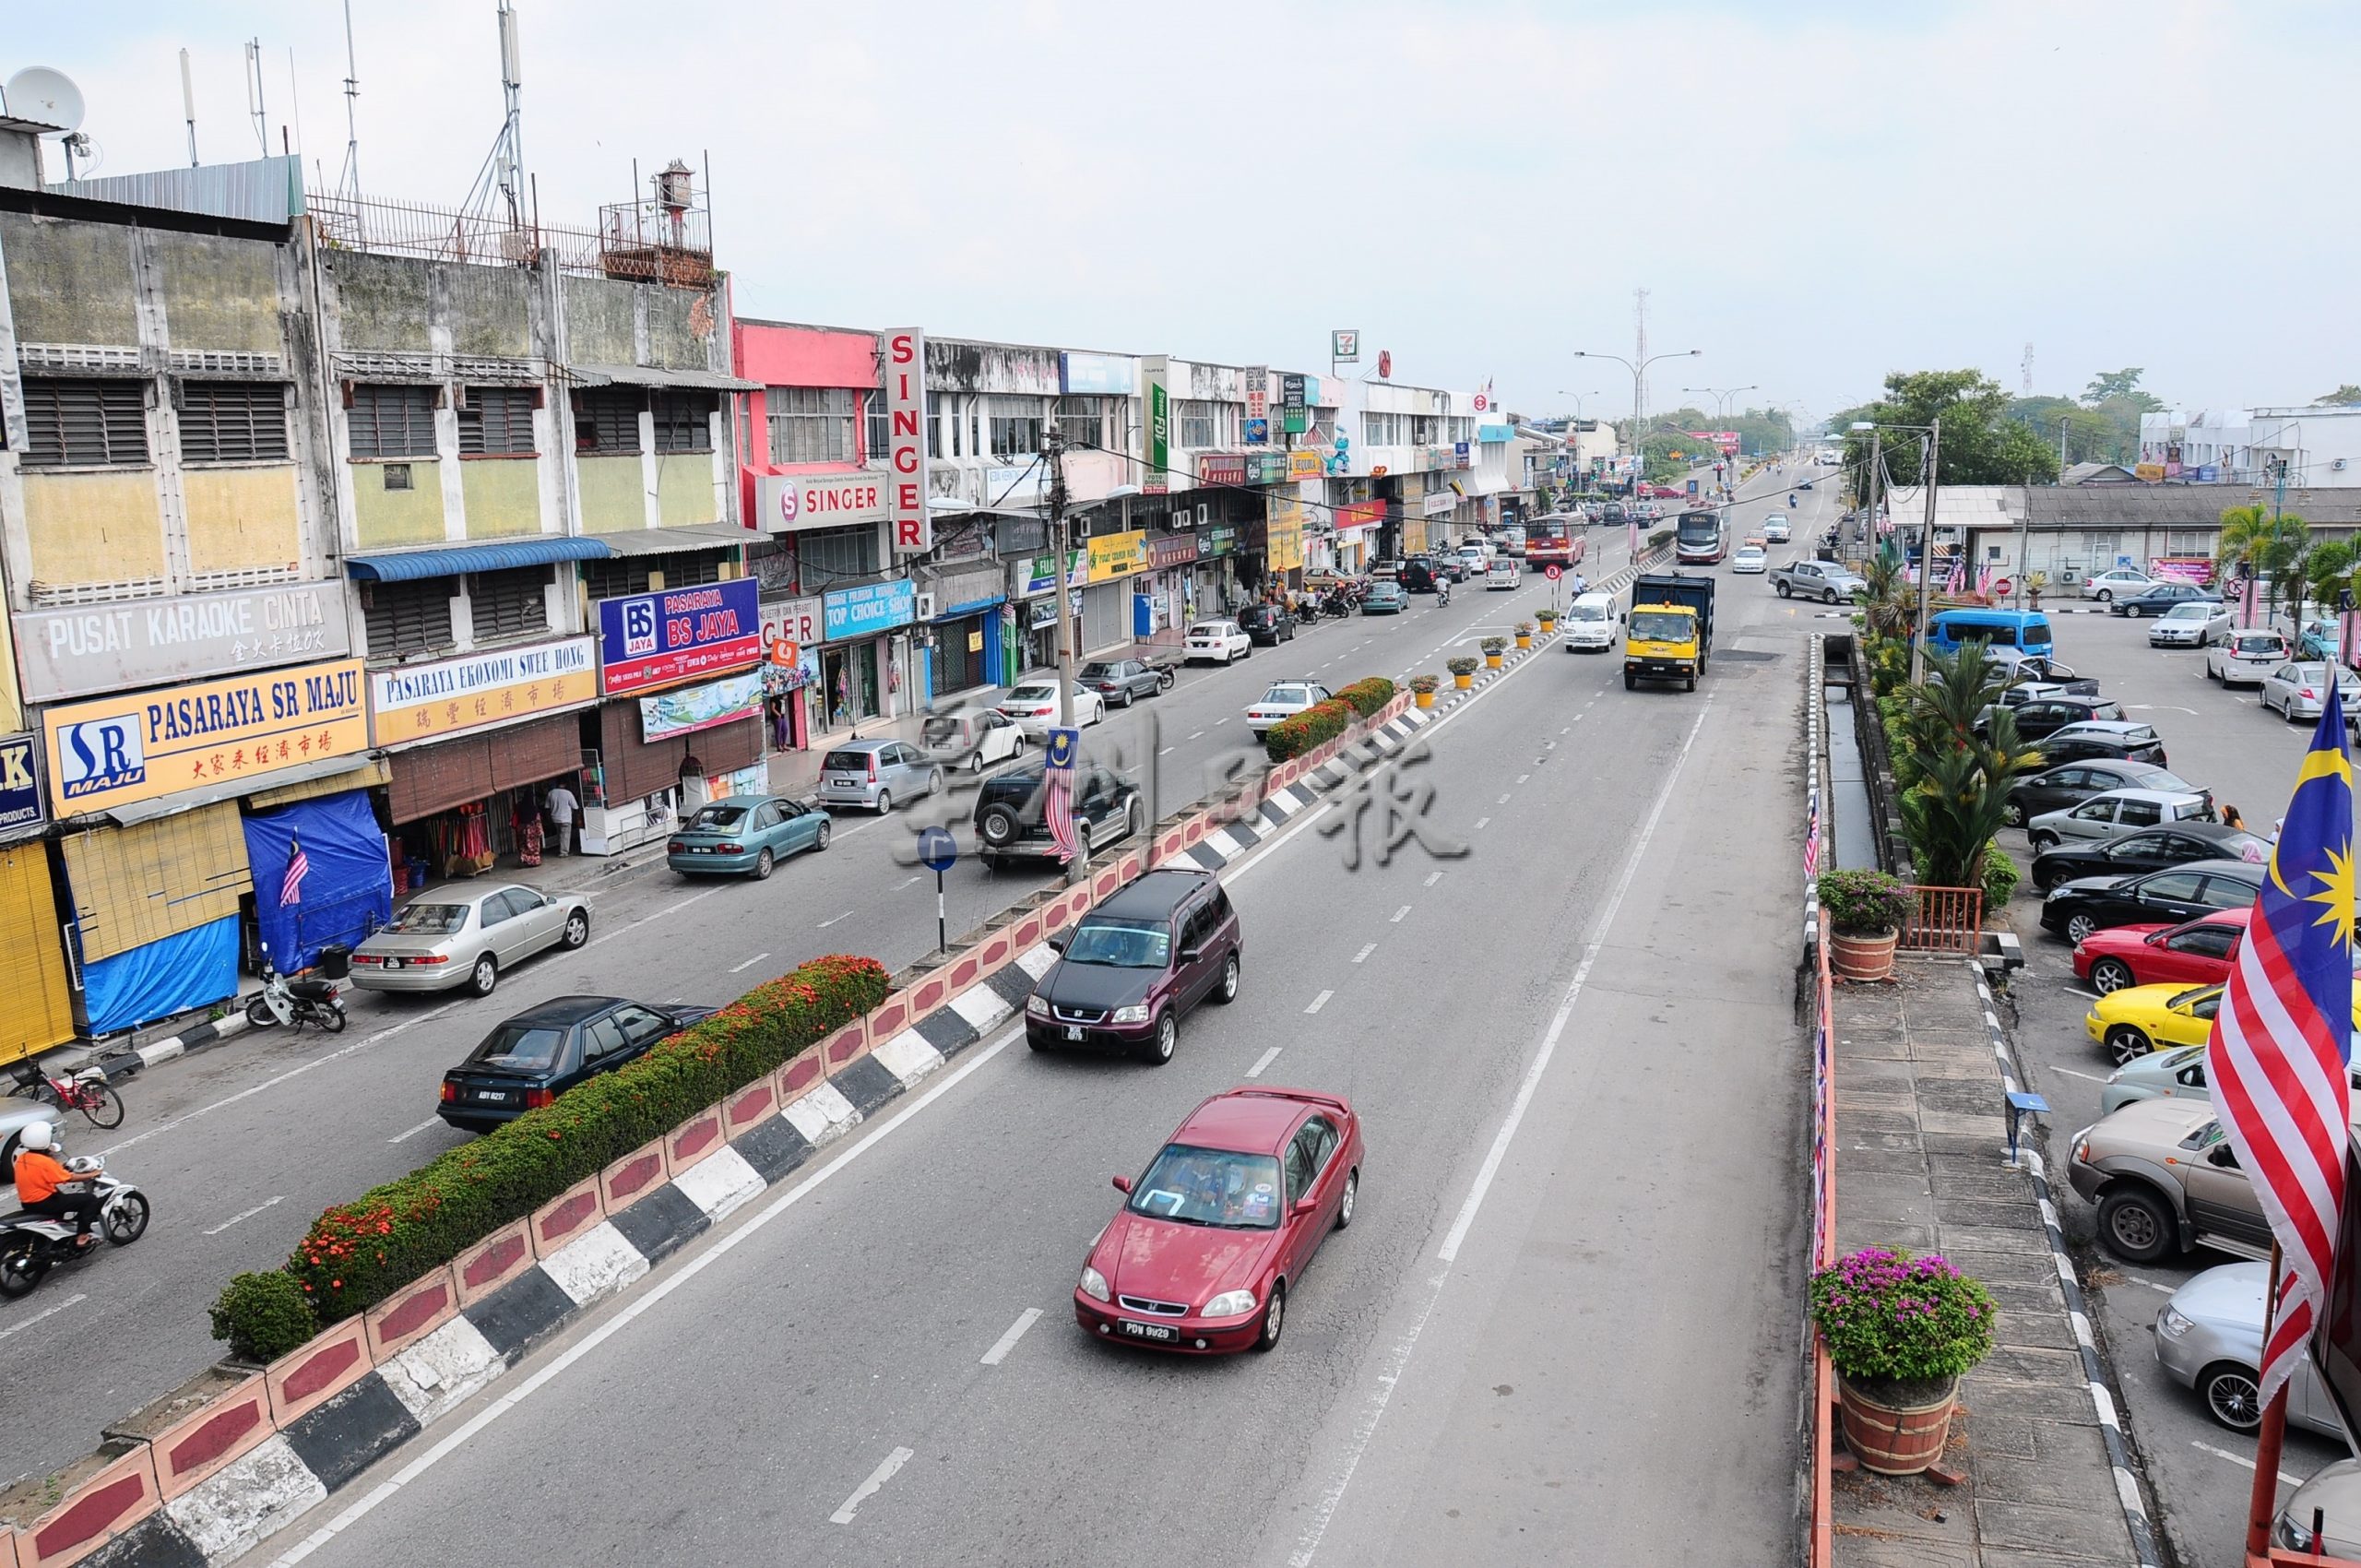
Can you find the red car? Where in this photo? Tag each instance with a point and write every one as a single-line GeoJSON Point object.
{"type": "Point", "coordinates": [1222, 1223]}
{"type": "Point", "coordinates": [2195, 952]}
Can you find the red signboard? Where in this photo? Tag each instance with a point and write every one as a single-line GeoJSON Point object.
{"type": "Point", "coordinates": [1360, 514]}
{"type": "Point", "coordinates": [1221, 468]}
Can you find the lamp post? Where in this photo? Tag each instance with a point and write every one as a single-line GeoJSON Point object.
{"type": "Point", "coordinates": [1722, 395]}
{"type": "Point", "coordinates": [1934, 432]}
{"type": "Point", "coordinates": [1578, 397]}
{"type": "Point", "coordinates": [1638, 370]}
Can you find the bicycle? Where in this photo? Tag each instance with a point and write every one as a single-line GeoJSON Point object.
{"type": "Point", "coordinates": [87, 1091]}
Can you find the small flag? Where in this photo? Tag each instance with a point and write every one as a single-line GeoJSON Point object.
{"type": "Point", "coordinates": [1635, 541]}
{"type": "Point", "coordinates": [1058, 808]}
{"type": "Point", "coordinates": [299, 866]}
{"type": "Point", "coordinates": [1984, 581]}
{"type": "Point", "coordinates": [1812, 838]}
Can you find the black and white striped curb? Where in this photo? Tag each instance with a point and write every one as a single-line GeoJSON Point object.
{"type": "Point", "coordinates": [1815, 750]}
{"type": "Point", "coordinates": [1233, 838]}
{"type": "Point", "coordinates": [2094, 1371]}
{"type": "Point", "coordinates": [196, 1037]}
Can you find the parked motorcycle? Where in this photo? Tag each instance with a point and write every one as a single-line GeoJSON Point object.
{"type": "Point", "coordinates": [1165, 674]}
{"type": "Point", "coordinates": [295, 1002]}
{"type": "Point", "coordinates": [32, 1244]}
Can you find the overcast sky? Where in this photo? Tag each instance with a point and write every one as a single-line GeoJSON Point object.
{"type": "Point", "coordinates": [1814, 192]}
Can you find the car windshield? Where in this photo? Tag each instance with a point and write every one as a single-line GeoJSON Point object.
{"type": "Point", "coordinates": [2244, 846]}
{"type": "Point", "coordinates": [1659, 626]}
{"type": "Point", "coordinates": [1283, 696]}
{"type": "Point", "coordinates": [2310, 674]}
{"type": "Point", "coordinates": [943, 730]}
{"type": "Point", "coordinates": [1587, 613]}
{"type": "Point", "coordinates": [1034, 693]}
{"type": "Point", "coordinates": [848, 762]}
{"type": "Point", "coordinates": [1211, 629]}
{"type": "Point", "coordinates": [430, 919]}
{"type": "Point", "coordinates": [1206, 1186]}
{"type": "Point", "coordinates": [2192, 996]}
{"type": "Point", "coordinates": [1121, 944]}
{"type": "Point", "coordinates": [718, 818]}
{"type": "Point", "coordinates": [2190, 611]}
{"type": "Point", "coordinates": [519, 1048]}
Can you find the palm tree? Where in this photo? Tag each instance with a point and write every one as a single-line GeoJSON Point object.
{"type": "Point", "coordinates": [2265, 544]}
{"type": "Point", "coordinates": [2330, 570]}
{"type": "Point", "coordinates": [1886, 604]}
{"type": "Point", "coordinates": [1962, 752]}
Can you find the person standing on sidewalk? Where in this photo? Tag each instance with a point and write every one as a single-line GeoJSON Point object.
{"type": "Point", "coordinates": [562, 805]}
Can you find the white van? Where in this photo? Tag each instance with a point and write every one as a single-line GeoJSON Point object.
{"type": "Point", "coordinates": [1592, 623]}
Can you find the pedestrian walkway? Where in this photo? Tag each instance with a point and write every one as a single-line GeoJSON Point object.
{"type": "Point", "coordinates": [1922, 1164]}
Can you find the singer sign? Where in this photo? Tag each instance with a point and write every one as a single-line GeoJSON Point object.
{"type": "Point", "coordinates": [906, 492]}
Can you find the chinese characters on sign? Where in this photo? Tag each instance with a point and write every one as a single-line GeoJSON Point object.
{"type": "Point", "coordinates": [429, 701]}
{"type": "Point", "coordinates": [89, 649]}
{"type": "Point", "coordinates": [138, 746]}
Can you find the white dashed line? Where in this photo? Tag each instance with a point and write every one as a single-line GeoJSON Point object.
{"type": "Point", "coordinates": [2285, 1478]}
{"type": "Point", "coordinates": [1320, 1001]}
{"type": "Point", "coordinates": [1263, 1061]}
{"type": "Point", "coordinates": [1519, 778]}
{"type": "Point", "coordinates": [1480, 823]}
{"type": "Point", "coordinates": [405, 1137]}
{"type": "Point", "coordinates": [1433, 877]}
{"type": "Point", "coordinates": [760, 956]}
{"type": "Point", "coordinates": [1007, 1342]}
{"type": "Point", "coordinates": [1398, 914]}
{"type": "Point", "coordinates": [834, 919]}
{"type": "Point", "coordinates": [1199, 732]}
{"type": "Point", "coordinates": [2086, 1077]}
{"type": "Point", "coordinates": [247, 1214]}
{"type": "Point", "coordinates": [870, 1488]}
{"type": "Point", "coordinates": [1362, 956]}
{"type": "Point", "coordinates": [1504, 799]}
{"type": "Point", "coordinates": [52, 1312]}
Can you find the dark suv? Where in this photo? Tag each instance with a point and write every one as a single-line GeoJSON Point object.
{"type": "Point", "coordinates": [1267, 626]}
{"type": "Point", "coordinates": [1418, 575]}
{"type": "Point", "coordinates": [1010, 823]}
{"type": "Point", "coordinates": [1132, 965]}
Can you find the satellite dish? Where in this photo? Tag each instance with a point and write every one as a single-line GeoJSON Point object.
{"type": "Point", "coordinates": [39, 93]}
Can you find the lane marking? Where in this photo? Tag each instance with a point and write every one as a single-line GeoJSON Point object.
{"type": "Point", "coordinates": [1519, 778]}
{"type": "Point", "coordinates": [1199, 732]}
{"type": "Point", "coordinates": [834, 919]}
{"type": "Point", "coordinates": [1166, 752]}
{"type": "Point", "coordinates": [234, 1220]}
{"type": "Point", "coordinates": [49, 1312]}
{"type": "Point", "coordinates": [1481, 822]}
{"type": "Point", "coordinates": [1398, 914]}
{"type": "Point", "coordinates": [1263, 1061]}
{"type": "Point", "coordinates": [2152, 1284]}
{"type": "Point", "coordinates": [905, 882]}
{"type": "Point", "coordinates": [2285, 1478]}
{"type": "Point", "coordinates": [1433, 877]}
{"type": "Point", "coordinates": [1007, 1342]}
{"type": "Point", "coordinates": [405, 1137]}
{"type": "Point", "coordinates": [2086, 1077]}
{"type": "Point", "coordinates": [760, 956]}
{"type": "Point", "coordinates": [1502, 800]}
{"type": "Point", "coordinates": [1320, 1001]}
{"type": "Point", "coordinates": [1362, 956]}
{"type": "Point", "coordinates": [870, 1488]}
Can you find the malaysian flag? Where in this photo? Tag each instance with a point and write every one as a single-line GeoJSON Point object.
{"type": "Point", "coordinates": [1984, 581]}
{"type": "Point", "coordinates": [1812, 838]}
{"type": "Point", "coordinates": [2277, 1059]}
{"type": "Point", "coordinates": [299, 866]}
{"type": "Point", "coordinates": [1959, 573]}
{"type": "Point", "coordinates": [1058, 808]}
{"type": "Point", "coordinates": [1635, 539]}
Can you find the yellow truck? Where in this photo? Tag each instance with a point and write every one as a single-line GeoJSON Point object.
{"type": "Point", "coordinates": [1669, 635]}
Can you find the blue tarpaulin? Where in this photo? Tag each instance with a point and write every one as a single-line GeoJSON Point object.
{"type": "Point", "coordinates": [191, 969]}
{"type": "Point", "coordinates": [346, 890]}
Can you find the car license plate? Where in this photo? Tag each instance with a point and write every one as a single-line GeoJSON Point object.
{"type": "Point", "coordinates": [393, 963]}
{"type": "Point", "coordinates": [1162, 1333]}
{"type": "Point", "coordinates": [1073, 1031]}
{"type": "Point", "coordinates": [489, 1094]}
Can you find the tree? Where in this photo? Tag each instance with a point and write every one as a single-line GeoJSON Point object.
{"type": "Point", "coordinates": [1967, 751]}
{"type": "Point", "coordinates": [1980, 446]}
{"type": "Point", "coordinates": [2344, 396]}
{"type": "Point", "coordinates": [2329, 571]}
{"type": "Point", "coordinates": [2266, 546]}
{"type": "Point", "coordinates": [2113, 384]}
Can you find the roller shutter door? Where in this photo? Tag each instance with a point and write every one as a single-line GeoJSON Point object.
{"type": "Point", "coordinates": [37, 1005]}
{"type": "Point", "coordinates": [1105, 615]}
{"type": "Point", "coordinates": [635, 769]}
{"type": "Point", "coordinates": [435, 778]}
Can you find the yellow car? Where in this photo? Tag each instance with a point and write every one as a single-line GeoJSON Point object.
{"type": "Point", "coordinates": [2140, 1018]}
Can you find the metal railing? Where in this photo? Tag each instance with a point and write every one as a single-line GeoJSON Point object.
{"type": "Point", "coordinates": [1820, 1527]}
{"type": "Point", "coordinates": [1948, 920]}
{"type": "Point", "coordinates": [627, 244]}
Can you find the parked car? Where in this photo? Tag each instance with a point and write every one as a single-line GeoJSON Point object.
{"type": "Point", "coordinates": [972, 739]}
{"type": "Point", "coordinates": [546, 1050]}
{"type": "Point", "coordinates": [1217, 1230]}
{"type": "Point", "coordinates": [1384, 598]}
{"type": "Point", "coordinates": [446, 938]}
{"type": "Point", "coordinates": [2332, 1496]}
{"type": "Point", "coordinates": [2106, 587]}
{"type": "Point", "coordinates": [1751, 559]}
{"type": "Point", "coordinates": [2209, 1338]}
{"type": "Point", "coordinates": [2243, 659]}
{"type": "Point", "coordinates": [1011, 823]}
{"type": "Point", "coordinates": [16, 1115]}
{"type": "Point", "coordinates": [2074, 910]}
{"type": "Point", "coordinates": [2045, 710]}
{"type": "Point", "coordinates": [1032, 705]}
{"type": "Point", "coordinates": [2197, 622]}
{"type": "Point", "coordinates": [1504, 574]}
{"type": "Point", "coordinates": [2150, 848]}
{"type": "Point", "coordinates": [2297, 692]}
{"type": "Point", "coordinates": [2157, 598]}
{"type": "Point", "coordinates": [2040, 667]}
{"type": "Point", "coordinates": [1217, 642]}
{"type": "Point", "coordinates": [2141, 1018]}
{"type": "Point", "coordinates": [2121, 740]}
{"type": "Point", "coordinates": [745, 835]}
{"type": "Point", "coordinates": [875, 774]}
{"type": "Point", "coordinates": [1774, 530]}
{"type": "Point", "coordinates": [2114, 813]}
{"type": "Point", "coordinates": [2195, 952]}
{"type": "Point", "coordinates": [1120, 682]}
{"type": "Point", "coordinates": [2321, 639]}
{"type": "Point", "coordinates": [2164, 1180]}
{"type": "Point", "coordinates": [1283, 701]}
{"type": "Point", "coordinates": [2178, 1073]}
{"type": "Point", "coordinates": [1267, 625]}
{"type": "Point", "coordinates": [1133, 967]}
{"type": "Point", "coordinates": [1477, 556]}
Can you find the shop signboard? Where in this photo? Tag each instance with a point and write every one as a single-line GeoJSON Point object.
{"type": "Point", "coordinates": [783, 502]}
{"type": "Point", "coordinates": [686, 710]}
{"type": "Point", "coordinates": [20, 804]}
{"type": "Point", "coordinates": [1305, 463]}
{"type": "Point", "coordinates": [1283, 536]}
{"type": "Point", "coordinates": [94, 649]}
{"type": "Point", "coordinates": [477, 691]}
{"type": "Point", "coordinates": [1171, 550]}
{"type": "Point", "coordinates": [1040, 613]}
{"type": "Point", "coordinates": [1438, 504]}
{"type": "Point", "coordinates": [1360, 514]}
{"type": "Point", "coordinates": [1221, 468]}
{"type": "Point", "coordinates": [1344, 346]}
{"type": "Point", "coordinates": [1221, 538]}
{"type": "Point", "coordinates": [1097, 375]}
{"type": "Point", "coordinates": [675, 634]}
{"type": "Point", "coordinates": [1041, 573]}
{"type": "Point", "coordinates": [1255, 432]}
{"type": "Point", "coordinates": [1118, 554]}
{"type": "Point", "coordinates": [137, 746]}
{"type": "Point", "coordinates": [1157, 479]}
{"type": "Point", "coordinates": [1461, 455]}
{"type": "Point", "coordinates": [906, 491]}
{"type": "Point", "coordinates": [792, 620]}
{"type": "Point", "coordinates": [1491, 435]}
{"type": "Point", "coordinates": [1258, 402]}
{"type": "Point", "coordinates": [866, 611]}
{"type": "Point", "coordinates": [1295, 407]}
{"type": "Point", "coordinates": [1266, 468]}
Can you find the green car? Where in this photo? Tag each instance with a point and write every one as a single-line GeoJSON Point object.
{"type": "Point", "coordinates": [745, 835]}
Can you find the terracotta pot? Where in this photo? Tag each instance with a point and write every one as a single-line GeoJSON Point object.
{"type": "Point", "coordinates": [1862, 957]}
{"type": "Point", "coordinates": [1895, 1440]}
{"type": "Point", "coordinates": [1426, 699]}
{"type": "Point", "coordinates": [1464, 681]}
{"type": "Point", "coordinates": [1524, 639]}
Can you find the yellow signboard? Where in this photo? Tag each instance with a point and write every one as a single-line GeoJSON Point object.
{"type": "Point", "coordinates": [414, 702]}
{"type": "Point", "coordinates": [1118, 554]}
{"type": "Point", "coordinates": [137, 746]}
{"type": "Point", "coordinates": [2154, 473]}
{"type": "Point", "coordinates": [1283, 550]}
{"type": "Point", "coordinates": [1303, 463]}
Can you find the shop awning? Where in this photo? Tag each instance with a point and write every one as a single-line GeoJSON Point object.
{"type": "Point", "coordinates": [664, 541]}
{"type": "Point", "coordinates": [452, 560]}
{"type": "Point", "coordinates": [649, 375]}
{"type": "Point", "coordinates": [276, 779]}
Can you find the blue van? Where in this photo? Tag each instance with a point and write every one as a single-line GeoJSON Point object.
{"type": "Point", "coordinates": [2026, 630]}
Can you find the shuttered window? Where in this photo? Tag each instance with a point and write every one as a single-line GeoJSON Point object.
{"type": "Point", "coordinates": [684, 421]}
{"type": "Point", "coordinates": [606, 418]}
{"type": "Point", "coordinates": [407, 618]}
{"type": "Point", "coordinates": [618, 577]}
{"type": "Point", "coordinates": [508, 605]}
{"type": "Point", "coordinates": [233, 421]}
{"type": "Point", "coordinates": [829, 557]}
{"type": "Point", "coordinates": [497, 420]}
{"type": "Point", "coordinates": [83, 423]}
{"type": "Point", "coordinates": [392, 422]}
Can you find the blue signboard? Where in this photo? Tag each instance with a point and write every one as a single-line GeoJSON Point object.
{"type": "Point", "coordinates": [20, 805]}
{"type": "Point", "coordinates": [868, 610]}
{"type": "Point", "coordinates": [675, 634]}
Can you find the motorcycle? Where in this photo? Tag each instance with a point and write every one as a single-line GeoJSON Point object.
{"type": "Point", "coordinates": [1165, 674]}
{"type": "Point", "coordinates": [32, 1244]}
{"type": "Point", "coordinates": [295, 1002]}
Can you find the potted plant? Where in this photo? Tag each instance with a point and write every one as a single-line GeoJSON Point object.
{"type": "Point", "coordinates": [1868, 909]}
{"type": "Point", "coordinates": [1423, 688]}
{"type": "Point", "coordinates": [1493, 647]}
{"type": "Point", "coordinates": [1549, 619]}
{"type": "Point", "coordinates": [1524, 634]}
{"type": "Point", "coordinates": [2034, 582]}
{"type": "Point", "coordinates": [1899, 1331]}
{"type": "Point", "coordinates": [1462, 670]}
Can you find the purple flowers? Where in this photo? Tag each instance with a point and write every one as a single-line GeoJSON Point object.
{"type": "Point", "coordinates": [1886, 1313]}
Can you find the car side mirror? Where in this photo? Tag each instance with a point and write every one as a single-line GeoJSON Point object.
{"type": "Point", "coordinates": [1191, 955]}
{"type": "Point", "coordinates": [2156, 938]}
{"type": "Point", "coordinates": [1123, 1184]}
{"type": "Point", "coordinates": [1305, 1205]}
{"type": "Point", "coordinates": [2221, 1157]}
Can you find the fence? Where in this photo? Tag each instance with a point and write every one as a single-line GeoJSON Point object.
{"type": "Point", "coordinates": [1820, 1530]}
{"type": "Point", "coordinates": [627, 244]}
{"type": "Point", "coordinates": [1948, 920]}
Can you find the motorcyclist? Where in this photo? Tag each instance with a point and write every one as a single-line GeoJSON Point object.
{"type": "Point", "coordinates": [40, 1177]}
{"type": "Point", "coordinates": [1442, 591]}
{"type": "Point", "coordinates": [1581, 587]}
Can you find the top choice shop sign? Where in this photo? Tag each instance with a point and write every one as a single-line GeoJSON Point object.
{"type": "Point", "coordinates": [674, 634]}
{"type": "Point", "coordinates": [121, 750]}
{"type": "Point", "coordinates": [906, 492]}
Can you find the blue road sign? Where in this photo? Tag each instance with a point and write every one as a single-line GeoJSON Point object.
{"type": "Point", "coordinates": [937, 850]}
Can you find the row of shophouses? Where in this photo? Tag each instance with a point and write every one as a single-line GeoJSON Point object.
{"type": "Point", "coordinates": [322, 526]}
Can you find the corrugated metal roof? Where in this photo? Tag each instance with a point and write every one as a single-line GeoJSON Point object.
{"type": "Point", "coordinates": [451, 560]}
{"type": "Point", "coordinates": [649, 375]}
{"type": "Point", "coordinates": [663, 541]}
{"type": "Point", "coordinates": [268, 190]}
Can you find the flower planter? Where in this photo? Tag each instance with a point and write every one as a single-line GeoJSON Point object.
{"type": "Point", "coordinates": [1462, 681]}
{"type": "Point", "coordinates": [1491, 661]}
{"type": "Point", "coordinates": [1862, 957]}
{"type": "Point", "coordinates": [1891, 1439]}
{"type": "Point", "coordinates": [1524, 640]}
{"type": "Point", "coordinates": [1426, 699]}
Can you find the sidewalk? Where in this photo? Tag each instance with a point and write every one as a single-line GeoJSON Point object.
{"type": "Point", "coordinates": [1922, 1164]}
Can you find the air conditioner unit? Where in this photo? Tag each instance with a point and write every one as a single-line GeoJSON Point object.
{"type": "Point", "coordinates": [2069, 576]}
{"type": "Point", "coordinates": [2338, 465]}
{"type": "Point", "coordinates": [926, 607]}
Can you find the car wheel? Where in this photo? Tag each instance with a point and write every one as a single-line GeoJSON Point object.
{"type": "Point", "coordinates": [2013, 813]}
{"type": "Point", "coordinates": [1132, 816]}
{"type": "Point", "coordinates": [1158, 1050]}
{"type": "Point", "coordinates": [2041, 841]}
{"type": "Point", "coordinates": [1828, 598]}
{"type": "Point", "coordinates": [2135, 1225]}
{"type": "Point", "coordinates": [2232, 1396]}
{"type": "Point", "coordinates": [484, 975]}
{"type": "Point", "coordinates": [2212, 674]}
{"type": "Point", "coordinates": [2105, 596]}
{"type": "Point", "coordinates": [999, 826]}
{"type": "Point", "coordinates": [764, 864]}
{"type": "Point", "coordinates": [934, 782]}
{"type": "Point", "coordinates": [577, 926]}
{"type": "Point", "coordinates": [2126, 1043]}
{"type": "Point", "coordinates": [1128, 697]}
{"type": "Point", "coordinates": [976, 761]}
{"type": "Point", "coordinates": [885, 801]}
{"type": "Point", "coordinates": [827, 831]}
{"type": "Point", "coordinates": [2110, 975]}
{"type": "Point", "coordinates": [1228, 991]}
{"type": "Point", "coordinates": [2079, 928]}
{"type": "Point", "coordinates": [1781, 585]}
{"type": "Point", "coordinates": [1275, 1318]}
{"type": "Point", "coordinates": [1345, 1204]}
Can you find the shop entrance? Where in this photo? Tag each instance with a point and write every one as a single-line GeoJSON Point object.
{"type": "Point", "coordinates": [958, 654]}
{"type": "Point", "coordinates": [848, 687]}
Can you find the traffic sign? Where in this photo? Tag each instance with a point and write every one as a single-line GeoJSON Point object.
{"type": "Point", "coordinates": [1553, 571]}
{"type": "Point", "coordinates": [937, 850]}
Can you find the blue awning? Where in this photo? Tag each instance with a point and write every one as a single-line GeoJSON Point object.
{"type": "Point", "coordinates": [452, 561]}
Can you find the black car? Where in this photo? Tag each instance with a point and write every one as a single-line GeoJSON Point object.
{"type": "Point", "coordinates": [2045, 712]}
{"type": "Point", "coordinates": [1132, 966]}
{"type": "Point", "coordinates": [545, 1050]}
{"type": "Point", "coordinates": [2157, 598]}
{"type": "Point", "coordinates": [1121, 681]}
{"type": "Point", "coordinates": [2150, 848]}
{"type": "Point", "coordinates": [1011, 823]}
{"type": "Point", "coordinates": [2119, 740]}
{"type": "Point", "coordinates": [1418, 575]}
{"type": "Point", "coordinates": [2064, 784]}
{"type": "Point", "coordinates": [2074, 910]}
{"type": "Point", "coordinates": [1267, 625]}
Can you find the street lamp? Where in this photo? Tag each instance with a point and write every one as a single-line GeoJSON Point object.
{"type": "Point", "coordinates": [1578, 397]}
{"type": "Point", "coordinates": [1722, 395]}
{"type": "Point", "coordinates": [1637, 371]}
{"type": "Point", "coordinates": [1934, 430]}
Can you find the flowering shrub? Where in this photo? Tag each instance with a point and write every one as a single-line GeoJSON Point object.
{"type": "Point", "coordinates": [1307, 731]}
{"type": "Point", "coordinates": [1887, 1315]}
{"type": "Point", "coordinates": [1369, 695]}
{"type": "Point", "coordinates": [1425, 683]}
{"type": "Point", "coordinates": [1864, 903]}
{"type": "Point", "coordinates": [1493, 645]}
{"type": "Point", "coordinates": [1461, 664]}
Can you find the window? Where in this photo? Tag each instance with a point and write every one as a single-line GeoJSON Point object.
{"type": "Point", "coordinates": [2190, 542]}
{"type": "Point", "coordinates": [1199, 426]}
{"type": "Point", "coordinates": [617, 577]}
{"type": "Point", "coordinates": [829, 557]}
{"type": "Point", "coordinates": [684, 421]}
{"type": "Point", "coordinates": [509, 604]}
{"type": "Point", "coordinates": [72, 423]}
{"type": "Point", "coordinates": [2103, 545]}
{"type": "Point", "coordinates": [1422, 430]}
{"type": "Point", "coordinates": [880, 433]}
{"type": "Point", "coordinates": [1083, 422]}
{"type": "Point", "coordinates": [407, 618]}
{"type": "Point", "coordinates": [2206, 941]}
{"type": "Point", "coordinates": [1015, 426]}
{"type": "Point", "coordinates": [622, 575]}
{"type": "Point", "coordinates": [392, 422]}
{"type": "Point", "coordinates": [233, 421]}
{"type": "Point", "coordinates": [606, 418]}
{"type": "Point", "coordinates": [2139, 814]}
{"type": "Point", "coordinates": [809, 425]}
{"type": "Point", "coordinates": [2175, 884]}
{"type": "Point", "coordinates": [1385, 430]}
{"type": "Point", "coordinates": [639, 1025]}
{"type": "Point", "coordinates": [497, 420]}
{"type": "Point", "coordinates": [603, 1037]}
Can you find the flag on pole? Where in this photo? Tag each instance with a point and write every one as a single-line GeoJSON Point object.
{"type": "Point", "coordinates": [1635, 540]}
{"type": "Point", "coordinates": [2281, 1040]}
{"type": "Point", "coordinates": [1959, 573]}
{"type": "Point", "coordinates": [1984, 581]}
{"type": "Point", "coordinates": [299, 866]}
{"type": "Point", "coordinates": [1058, 807]}
{"type": "Point", "coordinates": [1812, 838]}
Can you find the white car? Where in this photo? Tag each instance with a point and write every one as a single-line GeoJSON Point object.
{"type": "Point", "coordinates": [2104, 586]}
{"type": "Point", "coordinates": [2195, 624]}
{"type": "Point", "coordinates": [1504, 574]}
{"type": "Point", "coordinates": [1217, 642]}
{"type": "Point", "coordinates": [1774, 530]}
{"type": "Point", "coordinates": [1034, 707]}
{"type": "Point", "coordinates": [2243, 659]}
{"type": "Point", "coordinates": [2113, 814]}
{"type": "Point", "coordinates": [1750, 558]}
{"type": "Point", "coordinates": [1284, 700]}
{"type": "Point", "coordinates": [2297, 690]}
{"type": "Point", "coordinates": [1591, 622]}
{"type": "Point", "coordinates": [1477, 554]}
{"type": "Point", "coordinates": [2165, 1075]}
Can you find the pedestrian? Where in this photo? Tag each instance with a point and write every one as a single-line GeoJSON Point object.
{"type": "Point", "coordinates": [562, 806]}
{"type": "Point", "coordinates": [695, 791]}
{"type": "Point", "coordinates": [2230, 818]}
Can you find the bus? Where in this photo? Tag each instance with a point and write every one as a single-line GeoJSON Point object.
{"type": "Point", "coordinates": [1703, 538]}
{"type": "Point", "coordinates": [1553, 541]}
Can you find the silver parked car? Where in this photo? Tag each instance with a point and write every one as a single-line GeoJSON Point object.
{"type": "Point", "coordinates": [2113, 815]}
{"type": "Point", "coordinates": [875, 774]}
{"type": "Point", "coordinates": [2334, 1494]}
{"type": "Point", "coordinates": [2210, 1339]}
{"type": "Point", "coordinates": [2297, 690]}
{"type": "Point", "coordinates": [16, 1115]}
{"type": "Point", "coordinates": [446, 938]}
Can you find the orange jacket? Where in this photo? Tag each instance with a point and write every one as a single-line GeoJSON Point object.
{"type": "Point", "coordinates": [38, 1175]}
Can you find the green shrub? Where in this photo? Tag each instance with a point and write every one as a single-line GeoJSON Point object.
{"type": "Point", "coordinates": [1494, 645]}
{"type": "Point", "coordinates": [2001, 878]}
{"type": "Point", "coordinates": [1314, 727]}
{"type": "Point", "coordinates": [1425, 683]}
{"type": "Point", "coordinates": [263, 1315]}
{"type": "Point", "coordinates": [1864, 903]}
{"type": "Point", "coordinates": [1461, 664]}
{"type": "Point", "coordinates": [358, 1252]}
{"type": "Point", "coordinates": [1889, 1318]}
{"type": "Point", "coordinates": [1369, 695]}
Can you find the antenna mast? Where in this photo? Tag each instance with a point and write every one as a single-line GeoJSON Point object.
{"type": "Point", "coordinates": [502, 179]}
{"type": "Point", "coordinates": [188, 108]}
{"type": "Point", "coordinates": [254, 94]}
{"type": "Point", "coordinates": [2028, 370]}
{"type": "Point", "coordinates": [348, 181]}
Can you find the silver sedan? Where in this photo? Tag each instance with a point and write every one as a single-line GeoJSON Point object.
{"type": "Point", "coordinates": [2297, 690]}
{"type": "Point", "coordinates": [2210, 1339]}
{"type": "Point", "coordinates": [441, 939]}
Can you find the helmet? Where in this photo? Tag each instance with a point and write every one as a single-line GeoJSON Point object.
{"type": "Point", "coordinates": [39, 1135]}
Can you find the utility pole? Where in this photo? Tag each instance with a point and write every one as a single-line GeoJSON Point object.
{"type": "Point", "coordinates": [1053, 444]}
{"type": "Point", "coordinates": [1927, 553]}
{"type": "Point", "coordinates": [1877, 466]}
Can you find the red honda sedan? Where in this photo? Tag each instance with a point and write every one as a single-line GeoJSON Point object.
{"type": "Point", "coordinates": [1222, 1223]}
{"type": "Point", "coordinates": [2195, 952]}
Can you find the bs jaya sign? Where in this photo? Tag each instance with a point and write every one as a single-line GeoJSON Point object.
{"type": "Point", "coordinates": [672, 635]}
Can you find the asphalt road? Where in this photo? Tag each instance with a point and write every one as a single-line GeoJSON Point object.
{"type": "Point", "coordinates": [2217, 740]}
{"type": "Point", "coordinates": [1567, 1310]}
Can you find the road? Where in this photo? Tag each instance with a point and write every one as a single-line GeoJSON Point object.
{"type": "Point", "coordinates": [2220, 741]}
{"type": "Point", "coordinates": [1567, 1310]}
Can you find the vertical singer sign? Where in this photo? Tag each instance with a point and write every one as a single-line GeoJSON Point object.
{"type": "Point", "coordinates": [906, 444]}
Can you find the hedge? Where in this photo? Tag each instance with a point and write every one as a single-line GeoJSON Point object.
{"type": "Point", "coordinates": [357, 1253]}
{"type": "Point", "coordinates": [1369, 695]}
{"type": "Point", "coordinates": [1314, 727]}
